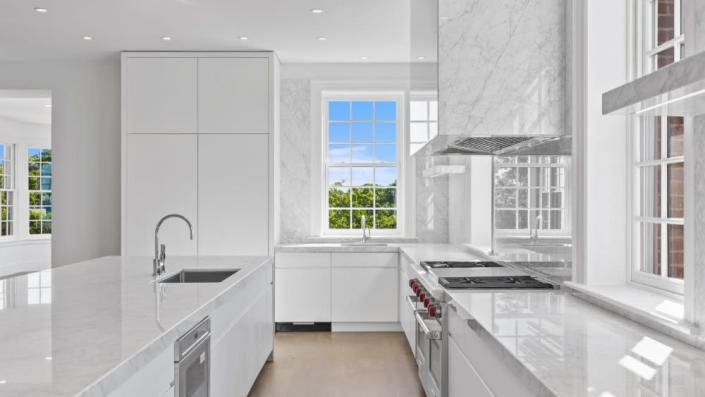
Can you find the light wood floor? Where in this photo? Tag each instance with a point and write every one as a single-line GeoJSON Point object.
{"type": "Point", "coordinates": [337, 364]}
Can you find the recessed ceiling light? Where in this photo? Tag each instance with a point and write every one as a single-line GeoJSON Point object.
{"type": "Point", "coordinates": [40, 10]}
{"type": "Point", "coordinates": [244, 38]}
{"type": "Point", "coordinates": [363, 58]}
{"type": "Point", "coordinates": [47, 106]}
{"type": "Point", "coordinates": [48, 358]}
{"type": "Point", "coordinates": [421, 58]}
{"type": "Point", "coordinates": [321, 38]}
{"type": "Point", "coordinates": [317, 11]}
{"type": "Point", "coordinates": [166, 38]}
{"type": "Point", "coordinates": [88, 38]}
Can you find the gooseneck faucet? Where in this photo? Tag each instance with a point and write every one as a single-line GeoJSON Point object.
{"type": "Point", "coordinates": [159, 262]}
{"type": "Point", "coordinates": [535, 233]}
{"type": "Point", "coordinates": [366, 231]}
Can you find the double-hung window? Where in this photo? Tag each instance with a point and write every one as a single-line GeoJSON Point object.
{"type": "Point", "coordinates": [362, 163]}
{"type": "Point", "coordinates": [7, 190]}
{"type": "Point", "coordinates": [39, 168]}
{"type": "Point", "coordinates": [658, 171]}
{"type": "Point", "coordinates": [423, 122]}
{"type": "Point", "coordinates": [530, 194]}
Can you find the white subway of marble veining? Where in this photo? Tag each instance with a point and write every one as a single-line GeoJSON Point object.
{"type": "Point", "coordinates": [502, 67]}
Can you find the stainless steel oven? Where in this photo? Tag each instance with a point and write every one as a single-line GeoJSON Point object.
{"type": "Point", "coordinates": [431, 343]}
{"type": "Point", "coordinates": [192, 361]}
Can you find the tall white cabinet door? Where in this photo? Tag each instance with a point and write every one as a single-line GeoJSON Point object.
{"type": "Point", "coordinates": [161, 95]}
{"type": "Point", "coordinates": [233, 95]}
{"type": "Point", "coordinates": [161, 179]}
{"type": "Point", "coordinates": [233, 188]}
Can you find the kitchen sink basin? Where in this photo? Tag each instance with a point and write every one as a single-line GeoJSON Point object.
{"type": "Point", "coordinates": [199, 276]}
{"type": "Point", "coordinates": [361, 244]}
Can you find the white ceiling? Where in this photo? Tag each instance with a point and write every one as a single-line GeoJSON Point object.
{"type": "Point", "coordinates": [376, 29]}
{"type": "Point", "coordinates": [28, 106]}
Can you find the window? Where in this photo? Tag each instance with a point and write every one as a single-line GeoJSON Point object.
{"type": "Point", "coordinates": [658, 233]}
{"type": "Point", "coordinates": [7, 190]}
{"type": "Point", "coordinates": [530, 190]}
{"type": "Point", "coordinates": [39, 287]}
{"type": "Point", "coordinates": [39, 182]}
{"type": "Point", "coordinates": [361, 163]}
{"type": "Point", "coordinates": [423, 123]}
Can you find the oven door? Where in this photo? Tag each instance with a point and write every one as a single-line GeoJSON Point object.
{"type": "Point", "coordinates": [193, 371]}
{"type": "Point", "coordinates": [429, 350]}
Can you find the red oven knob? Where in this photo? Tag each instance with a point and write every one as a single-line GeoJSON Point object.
{"type": "Point", "coordinates": [426, 302]}
{"type": "Point", "coordinates": [415, 288]}
{"type": "Point", "coordinates": [422, 296]}
{"type": "Point", "coordinates": [411, 283]}
{"type": "Point", "coordinates": [432, 310]}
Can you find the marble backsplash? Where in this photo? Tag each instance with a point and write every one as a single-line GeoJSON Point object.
{"type": "Point", "coordinates": [295, 174]}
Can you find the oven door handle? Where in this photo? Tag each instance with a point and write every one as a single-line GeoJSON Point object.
{"type": "Point", "coordinates": [412, 303]}
{"type": "Point", "coordinates": [432, 334]}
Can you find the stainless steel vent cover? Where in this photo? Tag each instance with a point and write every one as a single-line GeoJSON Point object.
{"type": "Point", "coordinates": [487, 145]}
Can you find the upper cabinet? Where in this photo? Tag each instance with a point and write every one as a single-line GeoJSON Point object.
{"type": "Point", "coordinates": [201, 93]}
{"type": "Point", "coordinates": [233, 95]}
{"type": "Point", "coordinates": [160, 95]}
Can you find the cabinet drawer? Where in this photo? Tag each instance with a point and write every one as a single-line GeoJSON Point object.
{"type": "Point", "coordinates": [365, 259]}
{"type": "Point", "coordinates": [302, 260]}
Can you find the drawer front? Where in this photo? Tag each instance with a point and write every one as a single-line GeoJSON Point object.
{"type": "Point", "coordinates": [302, 259]}
{"type": "Point", "coordinates": [365, 259]}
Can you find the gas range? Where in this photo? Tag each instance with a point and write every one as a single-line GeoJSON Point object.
{"type": "Point", "coordinates": [486, 282]}
{"type": "Point", "coordinates": [429, 265]}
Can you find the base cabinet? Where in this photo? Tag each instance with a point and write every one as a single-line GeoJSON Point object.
{"type": "Point", "coordinates": [462, 377]}
{"type": "Point", "coordinates": [365, 294]}
{"type": "Point", "coordinates": [302, 287]}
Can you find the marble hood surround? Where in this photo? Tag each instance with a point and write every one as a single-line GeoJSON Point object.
{"type": "Point", "coordinates": [502, 69]}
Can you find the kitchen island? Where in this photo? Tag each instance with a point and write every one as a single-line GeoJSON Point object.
{"type": "Point", "coordinates": [103, 327]}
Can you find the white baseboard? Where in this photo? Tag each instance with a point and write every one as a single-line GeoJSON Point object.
{"type": "Point", "coordinates": [366, 327]}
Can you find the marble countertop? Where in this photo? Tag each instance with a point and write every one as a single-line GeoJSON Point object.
{"type": "Point", "coordinates": [85, 327]}
{"type": "Point", "coordinates": [575, 348]}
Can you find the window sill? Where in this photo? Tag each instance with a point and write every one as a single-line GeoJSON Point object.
{"type": "Point", "coordinates": [351, 238]}
{"type": "Point", "coordinates": [655, 309]}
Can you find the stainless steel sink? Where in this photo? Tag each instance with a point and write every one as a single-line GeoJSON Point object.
{"type": "Point", "coordinates": [361, 244]}
{"type": "Point", "coordinates": [199, 276]}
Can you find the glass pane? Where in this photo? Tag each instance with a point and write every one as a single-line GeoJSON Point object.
{"type": "Point", "coordinates": [46, 169]}
{"type": "Point", "coordinates": [665, 20]}
{"type": "Point", "coordinates": [386, 219]}
{"type": "Point", "coordinates": [339, 219]}
{"type": "Point", "coordinates": [338, 176]}
{"type": "Point", "coordinates": [534, 198]}
{"type": "Point", "coordinates": [361, 153]}
{"type": "Point", "coordinates": [433, 110]}
{"type": "Point", "coordinates": [537, 176]}
{"type": "Point", "coordinates": [505, 198]}
{"type": "Point", "coordinates": [418, 132]}
{"type": "Point", "coordinates": [33, 183]}
{"type": "Point", "coordinates": [650, 139]}
{"type": "Point", "coordinates": [46, 155]}
{"type": "Point", "coordinates": [362, 132]}
{"type": "Point", "coordinates": [386, 132]}
{"type": "Point", "coordinates": [339, 197]}
{"type": "Point", "coordinates": [675, 136]}
{"type": "Point", "coordinates": [505, 219]}
{"type": "Point", "coordinates": [664, 58]}
{"type": "Point", "coordinates": [46, 198]}
{"type": "Point", "coordinates": [651, 248]}
{"type": "Point", "coordinates": [556, 199]}
{"type": "Point", "coordinates": [386, 176]}
{"type": "Point", "coordinates": [386, 111]}
{"type": "Point", "coordinates": [339, 111]}
{"type": "Point", "coordinates": [34, 154]}
{"type": "Point", "coordinates": [506, 177]}
{"type": "Point", "coordinates": [545, 199]}
{"type": "Point", "coordinates": [338, 132]}
{"type": "Point", "coordinates": [385, 198]}
{"type": "Point", "coordinates": [45, 183]}
{"type": "Point", "coordinates": [650, 180]}
{"type": "Point", "coordinates": [523, 198]}
{"type": "Point", "coordinates": [675, 251]}
{"type": "Point", "coordinates": [418, 111]}
{"type": "Point", "coordinates": [33, 169]}
{"type": "Point", "coordinates": [338, 154]}
{"type": "Point", "coordinates": [556, 220]}
{"type": "Point", "coordinates": [35, 198]}
{"type": "Point", "coordinates": [46, 227]}
{"type": "Point", "coordinates": [35, 227]}
{"type": "Point", "coordinates": [675, 190]}
{"type": "Point", "coordinates": [362, 197]}
{"type": "Point", "coordinates": [386, 153]}
{"type": "Point", "coordinates": [523, 176]}
{"type": "Point", "coordinates": [357, 218]}
{"type": "Point", "coordinates": [432, 129]}
{"type": "Point", "coordinates": [362, 176]}
{"type": "Point", "coordinates": [362, 111]}
{"type": "Point", "coordinates": [523, 217]}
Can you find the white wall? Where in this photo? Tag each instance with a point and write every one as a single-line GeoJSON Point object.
{"type": "Point", "coordinates": [86, 151]}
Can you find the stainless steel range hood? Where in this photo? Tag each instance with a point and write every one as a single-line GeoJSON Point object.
{"type": "Point", "coordinates": [509, 145]}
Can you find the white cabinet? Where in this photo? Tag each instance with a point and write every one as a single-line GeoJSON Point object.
{"type": "Point", "coordinates": [160, 95]}
{"type": "Point", "coordinates": [233, 95]}
{"type": "Point", "coordinates": [160, 179]}
{"type": "Point", "coordinates": [233, 190]}
{"type": "Point", "coordinates": [302, 287]}
{"type": "Point", "coordinates": [364, 287]}
{"type": "Point", "coordinates": [462, 377]}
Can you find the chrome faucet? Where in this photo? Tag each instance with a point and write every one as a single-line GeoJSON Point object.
{"type": "Point", "coordinates": [534, 236]}
{"type": "Point", "coordinates": [159, 262]}
{"type": "Point", "coordinates": [366, 231]}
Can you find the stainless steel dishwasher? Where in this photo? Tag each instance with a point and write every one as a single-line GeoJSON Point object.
{"type": "Point", "coordinates": [192, 355]}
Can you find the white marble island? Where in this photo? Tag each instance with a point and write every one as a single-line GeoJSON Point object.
{"type": "Point", "coordinates": [94, 327]}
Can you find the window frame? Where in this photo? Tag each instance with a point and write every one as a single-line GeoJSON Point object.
{"type": "Point", "coordinates": [27, 221]}
{"type": "Point", "coordinates": [383, 95]}
{"type": "Point", "coordinates": [429, 97]}
{"type": "Point", "coordinates": [13, 189]}
{"type": "Point", "coordinates": [646, 48]}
